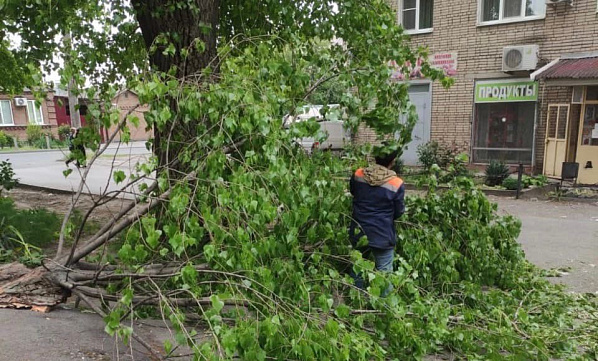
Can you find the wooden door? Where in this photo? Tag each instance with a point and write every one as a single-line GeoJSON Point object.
{"type": "Point", "coordinates": [557, 134]}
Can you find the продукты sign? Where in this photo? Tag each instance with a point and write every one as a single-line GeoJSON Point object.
{"type": "Point", "coordinates": [526, 91]}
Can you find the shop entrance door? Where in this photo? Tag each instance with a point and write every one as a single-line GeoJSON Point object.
{"type": "Point", "coordinates": [557, 130]}
{"type": "Point", "coordinates": [421, 96]}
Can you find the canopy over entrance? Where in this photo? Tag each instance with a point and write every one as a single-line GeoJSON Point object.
{"type": "Point", "coordinates": [572, 68]}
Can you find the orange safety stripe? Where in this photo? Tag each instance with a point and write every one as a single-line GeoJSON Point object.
{"type": "Point", "coordinates": [396, 182]}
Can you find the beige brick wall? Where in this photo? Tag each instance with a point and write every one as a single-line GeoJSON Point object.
{"type": "Point", "coordinates": [128, 101]}
{"type": "Point", "coordinates": [564, 30]}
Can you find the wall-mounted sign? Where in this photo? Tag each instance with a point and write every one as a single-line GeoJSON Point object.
{"type": "Point", "coordinates": [443, 61]}
{"type": "Point", "coordinates": [512, 91]}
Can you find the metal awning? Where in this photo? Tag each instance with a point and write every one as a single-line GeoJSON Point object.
{"type": "Point", "coordinates": [574, 68]}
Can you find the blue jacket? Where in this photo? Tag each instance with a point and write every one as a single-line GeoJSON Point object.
{"type": "Point", "coordinates": [375, 208]}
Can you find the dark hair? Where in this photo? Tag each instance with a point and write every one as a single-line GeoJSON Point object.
{"type": "Point", "coordinates": [385, 157]}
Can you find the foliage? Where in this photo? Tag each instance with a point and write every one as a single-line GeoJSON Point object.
{"type": "Point", "coordinates": [496, 173]}
{"type": "Point", "coordinates": [399, 167]}
{"type": "Point", "coordinates": [34, 133]}
{"type": "Point", "coordinates": [444, 156]}
{"type": "Point", "coordinates": [14, 248]}
{"type": "Point", "coordinates": [8, 178]}
{"type": "Point", "coordinates": [534, 181]}
{"type": "Point", "coordinates": [5, 140]}
{"type": "Point", "coordinates": [511, 183]}
{"type": "Point", "coordinates": [268, 222]}
{"type": "Point", "coordinates": [64, 131]}
{"type": "Point", "coordinates": [38, 227]}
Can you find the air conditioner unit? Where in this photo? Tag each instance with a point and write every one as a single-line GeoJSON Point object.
{"type": "Point", "coordinates": [554, 2]}
{"type": "Point", "coordinates": [20, 102]}
{"type": "Point", "coordinates": [520, 58]}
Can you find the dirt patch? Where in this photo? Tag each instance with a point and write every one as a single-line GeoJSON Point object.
{"type": "Point", "coordinates": [60, 202]}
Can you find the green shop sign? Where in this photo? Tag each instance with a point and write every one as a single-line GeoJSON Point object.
{"type": "Point", "coordinates": [526, 91]}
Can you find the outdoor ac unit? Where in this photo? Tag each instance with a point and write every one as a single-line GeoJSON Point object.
{"type": "Point", "coordinates": [554, 2]}
{"type": "Point", "coordinates": [518, 58]}
{"type": "Point", "coordinates": [20, 102]}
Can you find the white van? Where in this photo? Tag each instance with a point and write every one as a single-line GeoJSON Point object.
{"type": "Point", "coordinates": [338, 136]}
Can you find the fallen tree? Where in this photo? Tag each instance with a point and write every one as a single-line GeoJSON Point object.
{"type": "Point", "coordinates": [241, 231]}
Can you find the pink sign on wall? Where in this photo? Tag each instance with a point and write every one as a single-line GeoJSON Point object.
{"type": "Point", "coordinates": [443, 61]}
{"type": "Point", "coordinates": [446, 62]}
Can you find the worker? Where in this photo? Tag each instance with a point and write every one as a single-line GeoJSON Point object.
{"type": "Point", "coordinates": [378, 200]}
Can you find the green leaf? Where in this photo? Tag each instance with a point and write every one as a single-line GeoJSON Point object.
{"type": "Point", "coordinates": [217, 303]}
{"type": "Point", "coordinates": [119, 176]}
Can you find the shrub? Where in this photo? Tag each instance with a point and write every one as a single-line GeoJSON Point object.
{"type": "Point", "coordinates": [434, 153]}
{"type": "Point", "coordinates": [40, 143]}
{"type": "Point", "coordinates": [510, 183]}
{"type": "Point", "coordinates": [5, 140]}
{"type": "Point", "coordinates": [64, 131]}
{"type": "Point", "coordinates": [399, 166]}
{"type": "Point", "coordinates": [537, 181]}
{"type": "Point", "coordinates": [34, 133]}
{"type": "Point", "coordinates": [7, 176]}
{"type": "Point", "coordinates": [496, 173]}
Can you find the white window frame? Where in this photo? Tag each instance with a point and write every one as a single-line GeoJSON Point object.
{"type": "Point", "coordinates": [35, 107]}
{"type": "Point", "coordinates": [501, 20]}
{"type": "Point", "coordinates": [417, 30]}
{"type": "Point", "coordinates": [12, 115]}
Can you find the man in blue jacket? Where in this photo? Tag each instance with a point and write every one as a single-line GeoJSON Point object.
{"type": "Point", "coordinates": [378, 200]}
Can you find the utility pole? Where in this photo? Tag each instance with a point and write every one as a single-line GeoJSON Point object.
{"type": "Point", "coordinates": [73, 99]}
{"type": "Point", "coordinates": [73, 108]}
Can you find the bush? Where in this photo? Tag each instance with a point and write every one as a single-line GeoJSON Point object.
{"type": "Point", "coordinates": [399, 166]}
{"type": "Point", "coordinates": [434, 153]}
{"type": "Point", "coordinates": [5, 140]}
{"type": "Point", "coordinates": [7, 176]}
{"type": "Point", "coordinates": [537, 181]}
{"type": "Point", "coordinates": [510, 183]}
{"type": "Point", "coordinates": [496, 173]}
{"type": "Point", "coordinates": [34, 133]}
{"type": "Point", "coordinates": [63, 132]}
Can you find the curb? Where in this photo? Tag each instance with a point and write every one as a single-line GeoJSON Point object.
{"type": "Point", "coordinates": [44, 189]}
{"type": "Point", "coordinates": [34, 151]}
{"type": "Point", "coordinates": [526, 194]}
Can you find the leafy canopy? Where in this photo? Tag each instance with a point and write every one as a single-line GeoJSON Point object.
{"type": "Point", "coordinates": [259, 230]}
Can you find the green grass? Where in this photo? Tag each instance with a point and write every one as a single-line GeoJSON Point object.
{"type": "Point", "coordinates": [38, 227]}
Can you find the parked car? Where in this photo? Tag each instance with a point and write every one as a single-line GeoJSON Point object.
{"type": "Point", "coordinates": [338, 136]}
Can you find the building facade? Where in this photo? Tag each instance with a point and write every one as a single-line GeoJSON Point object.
{"type": "Point", "coordinates": [526, 80]}
{"type": "Point", "coordinates": [127, 102]}
{"type": "Point", "coordinates": [16, 113]}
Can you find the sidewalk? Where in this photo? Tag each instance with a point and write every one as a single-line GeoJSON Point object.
{"type": "Point", "coordinates": [44, 169]}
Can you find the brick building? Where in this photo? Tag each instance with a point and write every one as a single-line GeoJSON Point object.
{"type": "Point", "coordinates": [128, 103]}
{"type": "Point", "coordinates": [520, 67]}
{"type": "Point", "coordinates": [18, 112]}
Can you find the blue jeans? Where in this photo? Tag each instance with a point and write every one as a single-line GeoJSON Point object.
{"type": "Point", "coordinates": [383, 259]}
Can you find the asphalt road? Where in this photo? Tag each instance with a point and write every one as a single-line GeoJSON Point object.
{"type": "Point", "coordinates": [65, 335]}
{"type": "Point", "coordinates": [45, 168]}
{"type": "Point", "coordinates": [559, 235]}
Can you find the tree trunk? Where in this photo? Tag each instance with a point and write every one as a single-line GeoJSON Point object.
{"type": "Point", "coordinates": [21, 287]}
{"type": "Point", "coordinates": [195, 21]}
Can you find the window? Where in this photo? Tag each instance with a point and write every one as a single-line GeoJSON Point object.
{"type": "Point", "coordinates": [497, 11]}
{"type": "Point", "coordinates": [34, 113]}
{"type": "Point", "coordinates": [505, 114]}
{"type": "Point", "coordinates": [416, 15]}
{"type": "Point", "coordinates": [505, 132]}
{"type": "Point", "coordinates": [5, 113]}
{"type": "Point", "coordinates": [589, 135]}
